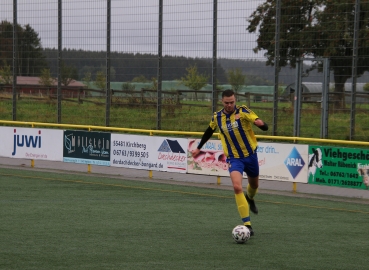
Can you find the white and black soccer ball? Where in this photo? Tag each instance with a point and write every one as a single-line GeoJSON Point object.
{"type": "Point", "coordinates": [241, 234]}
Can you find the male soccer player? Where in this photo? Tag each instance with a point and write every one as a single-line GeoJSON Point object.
{"type": "Point", "coordinates": [239, 145]}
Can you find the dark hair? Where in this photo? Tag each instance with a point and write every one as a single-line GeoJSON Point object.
{"type": "Point", "coordinates": [227, 93]}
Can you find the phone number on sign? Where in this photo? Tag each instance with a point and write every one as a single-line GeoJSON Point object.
{"type": "Point", "coordinates": [125, 153]}
{"type": "Point", "coordinates": [345, 182]}
{"type": "Point", "coordinates": [344, 175]}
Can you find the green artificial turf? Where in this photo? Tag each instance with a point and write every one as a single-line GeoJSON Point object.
{"type": "Point", "coordinates": [54, 220]}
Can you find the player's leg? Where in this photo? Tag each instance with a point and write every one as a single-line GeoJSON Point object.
{"type": "Point", "coordinates": [252, 171]}
{"type": "Point", "coordinates": [236, 172]}
{"type": "Point", "coordinates": [241, 202]}
{"type": "Point", "coordinates": [252, 189]}
{"type": "Point", "coordinates": [236, 168]}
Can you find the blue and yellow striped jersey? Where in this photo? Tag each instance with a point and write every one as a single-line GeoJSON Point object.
{"type": "Point", "coordinates": [238, 138]}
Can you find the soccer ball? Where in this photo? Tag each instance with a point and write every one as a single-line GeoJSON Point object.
{"type": "Point", "coordinates": [241, 234]}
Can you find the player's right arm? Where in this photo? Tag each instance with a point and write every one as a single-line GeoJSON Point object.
{"type": "Point", "coordinates": [205, 137]}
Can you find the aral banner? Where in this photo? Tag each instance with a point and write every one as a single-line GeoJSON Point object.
{"type": "Point", "coordinates": [31, 143]}
{"type": "Point", "coordinates": [149, 153]}
{"type": "Point", "coordinates": [341, 167]}
{"type": "Point", "coordinates": [87, 147]}
{"type": "Point", "coordinates": [283, 162]}
{"type": "Point", "coordinates": [280, 162]}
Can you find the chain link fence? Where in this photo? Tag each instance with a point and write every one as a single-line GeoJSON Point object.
{"type": "Point", "coordinates": [163, 64]}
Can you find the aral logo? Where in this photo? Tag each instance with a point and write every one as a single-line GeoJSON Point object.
{"type": "Point", "coordinates": [294, 162]}
{"type": "Point", "coordinates": [26, 141]}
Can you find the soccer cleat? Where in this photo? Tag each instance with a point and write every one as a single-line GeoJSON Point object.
{"type": "Point", "coordinates": [250, 229]}
{"type": "Point", "coordinates": [252, 205]}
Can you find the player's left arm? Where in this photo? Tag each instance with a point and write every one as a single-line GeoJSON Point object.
{"type": "Point", "coordinates": [261, 124]}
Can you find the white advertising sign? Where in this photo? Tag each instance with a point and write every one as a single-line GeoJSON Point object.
{"type": "Point", "coordinates": [148, 153]}
{"type": "Point", "coordinates": [280, 162]}
{"type": "Point", "coordinates": [283, 162]}
{"type": "Point", "coordinates": [31, 143]}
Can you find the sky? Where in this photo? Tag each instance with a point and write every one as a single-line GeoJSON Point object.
{"type": "Point", "coordinates": [187, 25]}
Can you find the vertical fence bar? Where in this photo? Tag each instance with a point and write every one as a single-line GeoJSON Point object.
{"type": "Point", "coordinates": [107, 75]}
{"type": "Point", "coordinates": [15, 44]}
{"type": "Point", "coordinates": [160, 60]}
{"type": "Point", "coordinates": [325, 100]}
{"type": "Point", "coordinates": [214, 62]}
{"type": "Point", "coordinates": [276, 66]}
{"type": "Point", "coordinates": [297, 100]}
{"type": "Point", "coordinates": [60, 50]}
{"type": "Point", "coordinates": [354, 69]}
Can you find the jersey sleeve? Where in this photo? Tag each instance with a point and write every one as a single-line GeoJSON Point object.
{"type": "Point", "coordinates": [213, 123]}
{"type": "Point", "coordinates": [248, 114]}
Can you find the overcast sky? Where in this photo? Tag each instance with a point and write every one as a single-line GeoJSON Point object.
{"type": "Point", "coordinates": [187, 25]}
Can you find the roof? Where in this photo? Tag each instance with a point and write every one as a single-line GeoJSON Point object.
{"type": "Point", "coordinates": [35, 81]}
{"type": "Point", "coordinates": [314, 87]}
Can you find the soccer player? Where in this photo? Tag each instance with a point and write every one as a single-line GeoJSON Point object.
{"type": "Point", "coordinates": [239, 145]}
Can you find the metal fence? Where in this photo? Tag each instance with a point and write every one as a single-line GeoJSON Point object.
{"type": "Point", "coordinates": [129, 63]}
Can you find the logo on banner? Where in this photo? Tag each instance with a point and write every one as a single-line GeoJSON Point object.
{"type": "Point", "coordinates": [171, 146]}
{"type": "Point", "coordinates": [26, 141]}
{"type": "Point", "coordinates": [294, 162]}
{"type": "Point", "coordinates": [173, 152]}
{"type": "Point", "coordinates": [86, 147]}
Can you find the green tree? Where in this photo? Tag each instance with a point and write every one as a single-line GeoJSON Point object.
{"type": "Point", "coordinates": [236, 79]}
{"type": "Point", "coordinates": [5, 74]}
{"type": "Point", "coordinates": [87, 80]}
{"type": "Point", "coordinates": [128, 86]}
{"type": "Point", "coordinates": [140, 79]}
{"type": "Point", "coordinates": [100, 81]}
{"type": "Point", "coordinates": [30, 58]}
{"type": "Point", "coordinates": [154, 85]}
{"type": "Point", "coordinates": [194, 80]}
{"type": "Point", "coordinates": [6, 42]}
{"type": "Point", "coordinates": [103, 70]}
{"type": "Point", "coordinates": [314, 28]}
{"type": "Point", "coordinates": [366, 87]}
{"type": "Point", "coordinates": [68, 74]}
{"type": "Point", "coordinates": [45, 78]}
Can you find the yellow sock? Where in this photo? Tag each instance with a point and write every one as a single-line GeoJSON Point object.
{"type": "Point", "coordinates": [243, 208]}
{"type": "Point", "coordinates": [251, 192]}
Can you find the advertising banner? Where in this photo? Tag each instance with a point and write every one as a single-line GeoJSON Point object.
{"type": "Point", "coordinates": [31, 143]}
{"type": "Point", "coordinates": [86, 147]}
{"type": "Point", "coordinates": [149, 153]}
{"type": "Point", "coordinates": [340, 167]}
{"type": "Point", "coordinates": [210, 161]}
{"type": "Point", "coordinates": [281, 162]}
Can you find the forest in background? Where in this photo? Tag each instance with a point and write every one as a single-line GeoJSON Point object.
{"type": "Point", "coordinates": [126, 66]}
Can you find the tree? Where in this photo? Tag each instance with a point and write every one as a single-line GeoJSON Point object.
{"type": "Point", "coordinates": [68, 74]}
{"type": "Point", "coordinates": [194, 80]}
{"type": "Point", "coordinates": [128, 86]}
{"type": "Point", "coordinates": [87, 80]}
{"type": "Point", "coordinates": [366, 87]}
{"type": "Point", "coordinates": [5, 74]}
{"type": "Point", "coordinates": [236, 79]}
{"type": "Point", "coordinates": [155, 84]}
{"type": "Point", "coordinates": [45, 78]}
{"type": "Point", "coordinates": [140, 79]}
{"type": "Point", "coordinates": [30, 58]}
{"type": "Point", "coordinates": [314, 28]}
{"type": "Point", "coordinates": [100, 80]}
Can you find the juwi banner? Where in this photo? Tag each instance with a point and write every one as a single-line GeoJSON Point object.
{"type": "Point", "coordinates": [31, 143]}
{"type": "Point", "coordinates": [341, 167]}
